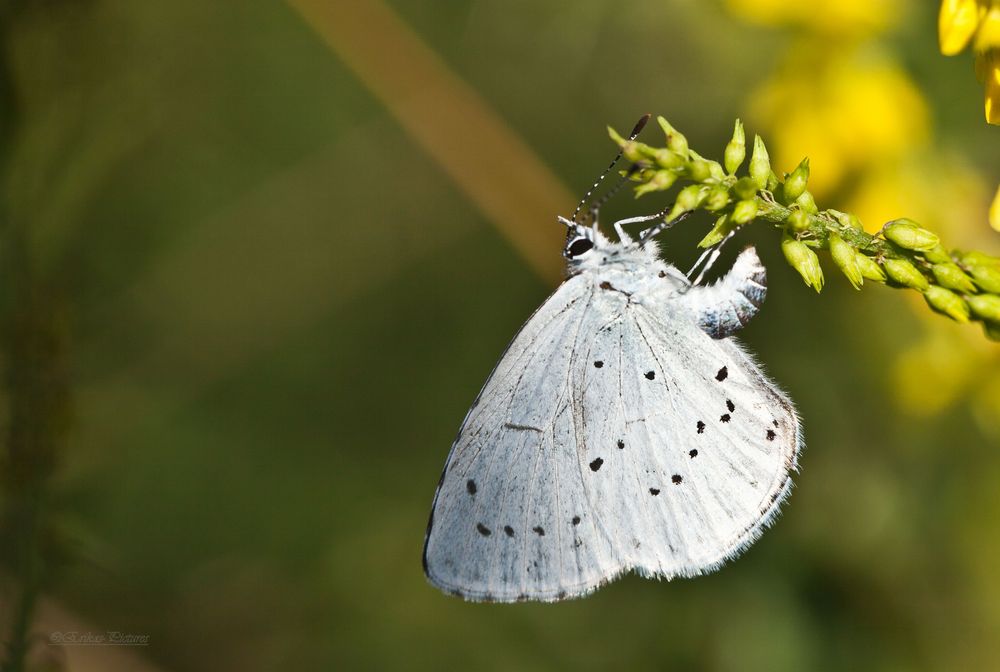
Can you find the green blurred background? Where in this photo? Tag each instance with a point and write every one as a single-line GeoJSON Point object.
{"type": "Point", "coordinates": [263, 284]}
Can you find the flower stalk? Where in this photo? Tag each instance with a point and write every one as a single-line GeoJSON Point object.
{"type": "Point", "coordinates": [964, 286]}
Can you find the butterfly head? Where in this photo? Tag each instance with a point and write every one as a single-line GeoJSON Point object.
{"type": "Point", "coordinates": [587, 248]}
{"type": "Point", "coordinates": [582, 242]}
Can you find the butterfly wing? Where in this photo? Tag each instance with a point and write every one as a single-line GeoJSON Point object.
{"type": "Point", "coordinates": [511, 512]}
{"type": "Point", "coordinates": [598, 446]}
{"type": "Point", "coordinates": [697, 444]}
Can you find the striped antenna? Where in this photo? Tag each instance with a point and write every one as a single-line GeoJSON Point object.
{"type": "Point", "coordinates": [595, 208]}
{"type": "Point", "coordinates": [632, 136]}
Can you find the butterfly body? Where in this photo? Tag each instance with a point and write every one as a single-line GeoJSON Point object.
{"type": "Point", "coordinates": [622, 430]}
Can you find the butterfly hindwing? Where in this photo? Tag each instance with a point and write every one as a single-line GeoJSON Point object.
{"type": "Point", "coordinates": [707, 444]}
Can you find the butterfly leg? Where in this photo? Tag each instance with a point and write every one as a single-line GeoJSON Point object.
{"type": "Point", "coordinates": [624, 237]}
{"type": "Point", "coordinates": [727, 305]}
{"type": "Point", "coordinates": [712, 254]}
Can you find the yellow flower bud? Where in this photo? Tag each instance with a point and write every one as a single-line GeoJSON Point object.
{"type": "Point", "coordinates": [745, 188]}
{"type": "Point", "coordinates": [980, 259]}
{"type": "Point", "coordinates": [760, 163]}
{"type": "Point", "coordinates": [632, 150]}
{"type": "Point", "coordinates": [714, 167]}
{"type": "Point", "coordinates": [717, 198]}
{"type": "Point", "coordinates": [798, 221]}
{"type": "Point", "coordinates": [744, 211]}
{"type": "Point", "coordinates": [870, 270]}
{"type": "Point", "coordinates": [845, 257]}
{"type": "Point", "coordinates": [957, 22]}
{"type": "Point", "coordinates": [984, 269]}
{"type": "Point", "coordinates": [947, 302]}
{"type": "Point", "coordinates": [905, 273]}
{"type": "Point", "coordinates": [986, 306]}
{"type": "Point", "coordinates": [986, 277]}
{"type": "Point", "coordinates": [995, 212]}
{"type": "Point", "coordinates": [675, 139]}
{"type": "Point", "coordinates": [660, 181]}
{"type": "Point", "coordinates": [736, 150]}
{"type": "Point", "coordinates": [908, 235]}
{"type": "Point", "coordinates": [937, 255]}
{"type": "Point", "coordinates": [636, 151]}
{"type": "Point", "coordinates": [699, 171]}
{"type": "Point", "coordinates": [668, 159]}
{"type": "Point", "coordinates": [951, 276]}
{"type": "Point", "coordinates": [803, 260]}
{"type": "Point", "coordinates": [847, 219]}
{"type": "Point", "coordinates": [722, 227]}
{"type": "Point", "coordinates": [613, 134]}
{"type": "Point", "coordinates": [795, 183]}
{"type": "Point", "coordinates": [988, 35]}
{"type": "Point", "coordinates": [772, 181]}
{"type": "Point", "coordinates": [807, 202]}
{"type": "Point", "coordinates": [688, 198]}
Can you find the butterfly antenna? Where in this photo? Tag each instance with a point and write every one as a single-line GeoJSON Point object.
{"type": "Point", "coordinates": [595, 209]}
{"type": "Point", "coordinates": [632, 136]}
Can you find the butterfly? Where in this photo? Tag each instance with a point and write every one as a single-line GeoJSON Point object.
{"type": "Point", "coordinates": [623, 430]}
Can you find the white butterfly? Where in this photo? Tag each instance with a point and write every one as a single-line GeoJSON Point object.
{"type": "Point", "coordinates": [622, 430]}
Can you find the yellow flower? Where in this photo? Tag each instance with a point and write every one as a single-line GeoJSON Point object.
{"type": "Point", "coordinates": [991, 75]}
{"type": "Point", "coordinates": [988, 35]}
{"type": "Point", "coordinates": [995, 211]}
{"type": "Point", "coordinates": [957, 22]}
{"type": "Point", "coordinates": [938, 190]}
{"type": "Point", "coordinates": [844, 109]}
{"type": "Point", "coordinates": [843, 16]}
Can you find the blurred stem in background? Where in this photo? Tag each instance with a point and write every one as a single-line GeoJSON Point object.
{"type": "Point", "coordinates": [450, 121]}
{"type": "Point", "coordinates": [37, 389]}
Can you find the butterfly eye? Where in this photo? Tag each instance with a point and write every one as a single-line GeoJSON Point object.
{"type": "Point", "coordinates": [578, 247]}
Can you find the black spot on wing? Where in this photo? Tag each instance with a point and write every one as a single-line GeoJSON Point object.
{"type": "Point", "coordinates": [730, 405]}
{"type": "Point", "coordinates": [650, 375]}
{"type": "Point", "coordinates": [701, 427]}
{"type": "Point", "coordinates": [725, 417]}
{"type": "Point", "coordinates": [576, 520]}
{"type": "Point", "coordinates": [722, 374]}
{"type": "Point", "coordinates": [508, 530]}
{"type": "Point", "coordinates": [654, 491]}
{"type": "Point", "coordinates": [483, 530]}
{"type": "Point", "coordinates": [693, 452]}
{"type": "Point", "coordinates": [598, 364]}
{"type": "Point", "coordinates": [538, 530]}
{"type": "Point", "coordinates": [770, 435]}
{"type": "Point", "coordinates": [676, 478]}
{"type": "Point", "coordinates": [596, 464]}
{"type": "Point", "coordinates": [621, 444]}
{"type": "Point", "coordinates": [470, 485]}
